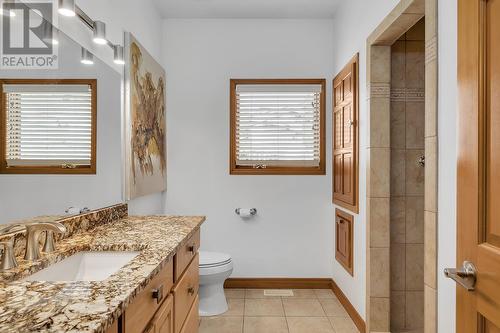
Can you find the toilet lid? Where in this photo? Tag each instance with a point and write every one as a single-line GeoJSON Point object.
{"type": "Point", "coordinates": [213, 259]}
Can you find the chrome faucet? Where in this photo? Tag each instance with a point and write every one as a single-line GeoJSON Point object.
{"type": "Point", "coordinates": [8, 259]}
{"type": "Point", "coordinates": [33, 231]}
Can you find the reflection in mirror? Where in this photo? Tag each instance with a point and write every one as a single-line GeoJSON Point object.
{"type": "Point", "coordinates": [61, 135]}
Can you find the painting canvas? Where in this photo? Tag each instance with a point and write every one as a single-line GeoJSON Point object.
{"type": "Point", "coordinates": [145, 122]}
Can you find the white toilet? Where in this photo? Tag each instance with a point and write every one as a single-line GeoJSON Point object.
{"type": "Point", "coordinates": [215, 268]}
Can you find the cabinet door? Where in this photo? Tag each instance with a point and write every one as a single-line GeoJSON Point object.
{"type": "Point", "coordinates": [344, 239]}
{"type": "Point", "coordinates": [345, 137]}
{"type": "Point", "coordinates": [163, 321]}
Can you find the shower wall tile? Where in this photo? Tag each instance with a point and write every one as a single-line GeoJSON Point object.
{"type": "Point", "coordinates": [415, 64]}
{"type": "Point", "coordinates": [398, 271]}
{"type": "Point", "coordinates": [414, 309]}
{"type": "Point", "coordinates": [398, 174]}
{"type": "Point", "coordinates": [398, 308]}
{"type": "Point", "coordinates": [415, 173]}
{"type": "Point", "coordinates": [415, 125]}
{"type": "Point", "coordinates": [414, 267]}
{"type": "Point", "coordinates": [398, 223]}
{"type": "Point", "coordinates": [398, 64]}
{"type": "Point", "coordinates": [414, 214]}
{"type": "Point", "coordinates": [398, 124]}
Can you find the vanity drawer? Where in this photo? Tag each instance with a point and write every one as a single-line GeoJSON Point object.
{"type": "Point", "coordinates": [192, 322]}
{"type": "Point", "coordinates": [145, 305]}
{"type": "Point", "coordinates": [185, 292]}
{"type": "Point", "coordinates": [186, 253]}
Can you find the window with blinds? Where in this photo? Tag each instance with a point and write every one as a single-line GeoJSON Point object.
{"type": "Point", "coordinates": [48, 126]}
{"type": "Point", "coordinates": [277, 126]}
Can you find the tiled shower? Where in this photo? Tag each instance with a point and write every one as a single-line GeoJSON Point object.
{"type": "Point", "coordinates": [407, 180]}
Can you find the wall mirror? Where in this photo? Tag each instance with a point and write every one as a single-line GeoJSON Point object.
{"type": "Point", "coordinates": [61, 137]}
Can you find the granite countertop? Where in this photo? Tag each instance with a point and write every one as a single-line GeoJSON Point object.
{"type": "Point", "coordinates": [92, 306]}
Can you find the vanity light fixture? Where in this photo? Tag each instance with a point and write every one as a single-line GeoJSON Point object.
{"type": "Point", "coordinates": [100, 33]}
{"type": "Point", "coordinates": [118, 55]}
{"type": "Point", "coordinates": [67, 8]}
{"type": "Point", "coordinates": [87, 57]}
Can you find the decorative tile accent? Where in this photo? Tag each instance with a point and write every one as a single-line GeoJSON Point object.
{"type": "Point", "coordinates": [407, 95]}
{"type": "Point", "coordinates": [380, 90]}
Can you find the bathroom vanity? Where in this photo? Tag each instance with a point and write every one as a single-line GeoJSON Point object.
{"type": "Point", "coordinates": [154, 289]}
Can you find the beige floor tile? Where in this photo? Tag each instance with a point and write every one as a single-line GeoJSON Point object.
{"type": "Point", "coordinates": [343, 325]}
{"type": "Point", "coordinates": [324, 293]}
{"type": "Point", "coordinates": [221, 325]}
{"type": "Point", "coordinates": [296, 307]}
{"type": "Point", "coordinates": [257, 293]}
{"type": "Point", "coordinates": [332, 307]}
{"type": "Point", "coordinates": [265, 325]}
{"type": "Point", "coordinates": [236, 307]}
{"type": "Point", "coordinates": [272, 307]}
{"type": "Point", "coordinates": [234, 293]}
{"type": "Point", "coordinates": [302, 293]}
{"type": "Point", "coordinates": [309, 325]}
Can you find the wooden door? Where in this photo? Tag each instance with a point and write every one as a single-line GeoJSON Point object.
{"type": "Point", "coordinates": [478, 205]}
{"type": "Point", "coordinates": [345, 137]}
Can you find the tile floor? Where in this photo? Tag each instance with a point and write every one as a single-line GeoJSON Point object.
{"type": "Point", "coordinates": [308, 311]}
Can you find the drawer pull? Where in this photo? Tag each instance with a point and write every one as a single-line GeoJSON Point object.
{"type": "Point", "coordinates": [158, 294]}
{"type": "Point", "coordinates": [191, 291]}
{"type": "Point", "coordinates": [192, 249]}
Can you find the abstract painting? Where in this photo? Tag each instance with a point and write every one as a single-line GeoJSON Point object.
{"type": "Point", "coordinates": [145, 121]}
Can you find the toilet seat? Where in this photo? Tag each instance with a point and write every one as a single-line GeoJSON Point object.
{"type": "Point", "coordinates": [214, 262]}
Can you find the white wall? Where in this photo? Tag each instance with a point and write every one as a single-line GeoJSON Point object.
{"type": "Point", "coordinates": [349, 39]}
{"type": "Point", "coordinates": [292, 236]}
{"type": "Point", "coordinates": [447, 119]}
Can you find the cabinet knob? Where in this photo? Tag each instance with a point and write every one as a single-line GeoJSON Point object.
{"type": "Point", "coordinates": [191, 291]}
{"type": "Point", "coordinates": [158, 294]}
{"type": "Point", "coordinates": [192, 249]}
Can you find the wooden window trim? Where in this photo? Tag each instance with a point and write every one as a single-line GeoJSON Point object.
{"type": "Point", "coordinates": [347, 263]}
{"type": "Point", "coordinates": [91, 169]}
{"type": "Point", "coordinates": [270, 170]}
{"type": "Point", "coordinates": [353, 63]}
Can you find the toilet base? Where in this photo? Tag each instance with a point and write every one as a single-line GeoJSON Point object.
{"type": "Point", "coordinates": [211, 293]}
{"type": "Point", "coordinates": [212, 300]}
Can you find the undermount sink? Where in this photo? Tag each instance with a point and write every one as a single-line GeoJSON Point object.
{"type": "Point", "coordinates": [85, 266]}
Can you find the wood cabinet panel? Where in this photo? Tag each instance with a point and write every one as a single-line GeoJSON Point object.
{"type": "Point", "coordinates": [344, 240]}
{"type": "Point", "coordinates": [163, 321]}
{"type": "Point", "coordinates": [185, 292]}
{"type": "Point", "coordinates": [192, 322]}
{"type": "Point", "coordinates": [185, 254]}
{"type": "Point", "coordinates": [145, 305]}
{"type": "Point", "coordinates": [345, 137]}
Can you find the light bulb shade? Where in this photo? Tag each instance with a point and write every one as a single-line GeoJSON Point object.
{"type": "Point", "coordinates": [67, 7]}
{"type": "Point", "coordinates": [87, 57]}
{"type": "Point", "coordinates": [118, 55]}
{"type": "Point", "coordinates": [100, 33]}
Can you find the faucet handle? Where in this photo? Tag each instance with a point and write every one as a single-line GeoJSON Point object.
{"type": "Point", "coordinates": [8, 259]}
{"type": "Point", "coordinates": [33, 231]}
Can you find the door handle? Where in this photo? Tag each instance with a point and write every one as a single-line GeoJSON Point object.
{"type": "Point", "coordinates": [464, 276]}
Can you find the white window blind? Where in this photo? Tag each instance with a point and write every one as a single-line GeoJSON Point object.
{"type": "Point", "coordinates": [278, 125]}
{"type": "Point", "coordinates": [48, 124]}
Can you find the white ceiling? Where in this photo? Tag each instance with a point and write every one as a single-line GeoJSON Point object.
{"type": "Point", "coordinates": [247, 8]}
